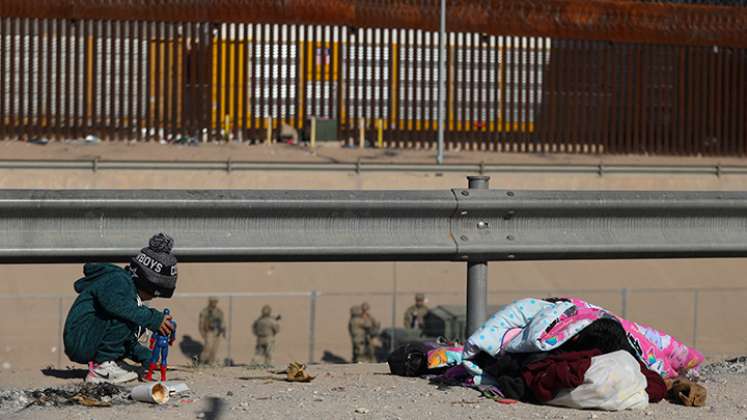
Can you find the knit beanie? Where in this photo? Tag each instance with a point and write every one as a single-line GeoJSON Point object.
{"type": "Point", "coordinates": [155, 267]}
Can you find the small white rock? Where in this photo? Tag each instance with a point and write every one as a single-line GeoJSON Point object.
{"type": "Point", "coordinates": [361, 410]}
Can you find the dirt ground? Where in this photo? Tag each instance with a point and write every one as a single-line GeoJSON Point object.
{"type": "Point", "coordinates": [347, 392]}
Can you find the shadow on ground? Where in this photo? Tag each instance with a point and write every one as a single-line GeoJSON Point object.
{"type": "Point", "coordinates": [65, 373]}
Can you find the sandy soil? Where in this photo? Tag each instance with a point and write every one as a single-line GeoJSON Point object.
{"type": "Point", "coordinates": [323, 153]}
{"type": "Point", "coordinates": [350, 392]}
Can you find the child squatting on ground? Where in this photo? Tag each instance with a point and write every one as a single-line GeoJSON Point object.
{"type": "Point", "coordinates": [108, 316]}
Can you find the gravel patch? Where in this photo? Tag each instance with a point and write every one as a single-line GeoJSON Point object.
{"type": "Point", "coordinates": [343, 392]}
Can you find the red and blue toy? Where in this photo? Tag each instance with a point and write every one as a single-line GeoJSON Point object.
{"type": "Point", "coordinates": [159, 344]}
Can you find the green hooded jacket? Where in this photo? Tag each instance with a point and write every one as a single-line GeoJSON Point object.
{"type": "Point", "coordinates": [104, 321]}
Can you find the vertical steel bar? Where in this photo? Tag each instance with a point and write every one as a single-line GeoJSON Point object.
{"type": "Point", "coordinates": [394, 304]}
{"type": "Point", "coordinates": [132, 118]}
{"type": "Point", "coordinates": [150, 51]}
{"type": "Point", "coordinates": [255, 96]}
{"type": "Point", "coordinates": [237, 45]}
{"type": "Point", "coordinates": [22, 72]}
{"type": "Point", "coordinates": [246, 95]}
{"type": "Point", "coordinates": [477, 276]}
{"type": "Point", "coordinates": [696, 299]}
{"type": "Point", "coordinates": [93, 75]}
{"type": "Point", "coordinates": [77, 70]}
{"type": "Point", "coordinates": [12, 73]}
{"type": "Point", "coordinates": [69, 96]}
{"type": "Point", "coordinates": [289, 35]}
{"type": "Point", "coordinates": [3, 85]}
{"type": "Point", "coordinates": [368, 74]}
{"type": "Point", "coordinates": [441, 82]}
{"type": "Point", "coordinates": [58, 95]}
{"type": "Point", "coordinates": [139, 97]}
{"type": "Point", "coordinates": [230, 326]}
{"type": "Point", "coordinates": [272, 98]}
{"type": "Point", "coordinates": [313, 296]}
{"type": "Point", "coordinates": [624, 294]}
{"type": "Point", "coordinates": [379, 50]}
{"type": "Point", "coordinates": [122, 117]}
{"type": "Point", "coordinates": [174, 79]}
{"type": "Point", "coordinates": [113, 126]}
{"type": "Point", "coordinates": [328, 71]}
{"type": "Point", "coordinates": [60, 326]}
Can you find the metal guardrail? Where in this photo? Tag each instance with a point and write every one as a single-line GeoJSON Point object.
{"type": "Point", "coordinates": [474, 225]}
{"type": "Point", "coordinates": [363, 166]}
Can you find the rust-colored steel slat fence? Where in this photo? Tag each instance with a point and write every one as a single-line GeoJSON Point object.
{"type": "Point", "coordinates": [191, 80]}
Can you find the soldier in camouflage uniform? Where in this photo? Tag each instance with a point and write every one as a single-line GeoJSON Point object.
{"type": "Point", "coordinates": [357, 330]}
{"type": "Point", "coordinates": [415, 314]}
{"type": "Point", "coordinates": [372, 327]}
{"type": "Point", "coordinates": [211, 329]}
{"type": "Point", "coordinates": [265, 328]}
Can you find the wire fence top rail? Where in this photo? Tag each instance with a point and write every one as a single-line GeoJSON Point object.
{"type": "Point", "coordinates": [447, 225]}
{"type": "Point", "coordinates": [363, 166]}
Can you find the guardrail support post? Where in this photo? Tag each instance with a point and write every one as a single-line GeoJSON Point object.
{"type": "Point", "coordinates": [313, 296]}
{"type": "Point", "coordinates": [477, 276]}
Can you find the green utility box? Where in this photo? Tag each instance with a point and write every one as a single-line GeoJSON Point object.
{"type": "Point", "coordinates": [449, 321]}
{"type": "Point", "coordinates": [326, 129]}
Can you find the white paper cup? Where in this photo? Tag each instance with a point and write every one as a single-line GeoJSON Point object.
{"type": "Point", "coordinates": [153, 393]}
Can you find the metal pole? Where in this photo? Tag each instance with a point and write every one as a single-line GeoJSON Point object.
{"type": "Point", "coordinates": [477, 276]}
{"type": "Point", "coordinates": [441, 83]}
{"type": "Point", "coordinates": [230, 321]}
{"type": "Point", "coordinates": [59, 333]}
{"type": "Point", "coordinates": [312, 324]}
{"type": "Point", "coordinates": [624, 295]}
{"type": "Point", "coordinates": [394, 305]}
{"type": "Point", "coordinates": [696, 298]}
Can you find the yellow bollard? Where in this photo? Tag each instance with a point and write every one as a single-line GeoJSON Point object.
{"type": "Point", "coordinates": [380, 134]}
{"type": "Point", "coordinates": [313, 132]}
{"type": "Point", "coordinates": [268, 121]}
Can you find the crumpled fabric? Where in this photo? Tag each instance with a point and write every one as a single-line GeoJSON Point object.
{"type": "Point", "coordinates": [537, 325]}
{"type": "Point", "coordinates": [548, 376]}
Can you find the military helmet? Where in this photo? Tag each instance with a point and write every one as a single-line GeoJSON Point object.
{"type": "Point", "coordinates": [266, 310]}
{"type": "Point", "coordinates": [365, 306]}
{"type": "Point", "coordinates": [356, 310]}
{"type": "Point", "coordinates": [420, 296]}
{"type": "Point", "coordinates": [212, 299]}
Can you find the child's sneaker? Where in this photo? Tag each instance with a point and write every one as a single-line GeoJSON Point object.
{"type": "Point", "coordinates": [109, 372]}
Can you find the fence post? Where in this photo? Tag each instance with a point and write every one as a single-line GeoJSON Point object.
{"type": "Point", "coordinates": [268, 121]}
{"type": "Point", "coordinates": [230, 322]}
{"type": "Point", "coordinates": [624, 298]}
{"type": "Point", "coordinates": [380, 133]}
{"type": "Point", "coordinates": [312, 324]}
{"type": "Point", "coordinates": [696, 298]}
{"type": "Point", "coordinates": [477, 276]}
{"type": "Point", "coordinates": [394, 305]}
{"type": "Point", "coordinates": [362, 133]}
{"type": "Point", "coordinates": [313, 132]}
{"type": "Point", "coordinates": [61, 320]}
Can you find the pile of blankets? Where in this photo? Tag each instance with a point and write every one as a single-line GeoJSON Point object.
{"type": "Point", "coordinates": [565, 351]}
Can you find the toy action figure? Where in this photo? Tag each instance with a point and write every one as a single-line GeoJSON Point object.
{"type": "Point", "coordinates": [159, 344]}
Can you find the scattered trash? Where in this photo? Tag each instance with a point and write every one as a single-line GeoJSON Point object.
{"type": "Point", "coordinates": [89, 395]}
{"type": "Point", "coordinates": [737, 365]}
{"type": "Point", "coordinates": [40, 141]}
{"type": "Point", "coordinates": [297, 373]}
{"type": "Point", "coordinates": [152, 393]}
{"type": "Point", "coordinates": [91, 139]}
{"type": "Point", "coordinates": [176, 388]}
{"type": "Point", "coordinates": [186, 141]}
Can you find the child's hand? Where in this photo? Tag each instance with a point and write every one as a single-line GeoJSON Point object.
{"type": "Point", "coordinates": [166, 327]}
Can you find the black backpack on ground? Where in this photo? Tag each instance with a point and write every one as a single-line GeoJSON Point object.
{"type": "Point", "coordinates": [409, 360]}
